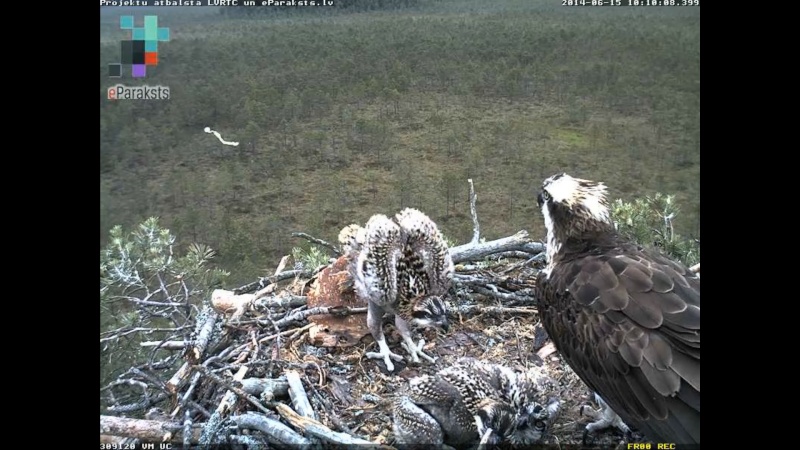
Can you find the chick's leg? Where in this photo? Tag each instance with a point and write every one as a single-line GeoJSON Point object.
{"type": "Point", "coordinates": [414, 349]}
{"type": "Point", "coordinates": [375, 324]}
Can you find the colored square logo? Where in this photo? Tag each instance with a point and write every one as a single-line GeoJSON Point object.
{"type": "Point", "coordinates": [126, 22]}
{"type": "Point", "coordinates": [138, 70]}
{"type": "Point", "coordinates": [141, 50]}
{"type": "Point", "coordinates": [115, 70]}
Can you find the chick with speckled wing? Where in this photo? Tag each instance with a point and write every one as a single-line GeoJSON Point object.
{"type": "Point", "coordinates": [401, 267]}
{"type": "Point", "coordinates": [460, 403]}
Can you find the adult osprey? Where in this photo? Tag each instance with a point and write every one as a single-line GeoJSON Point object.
{"type": "Point", "coordinates": [625, 319]}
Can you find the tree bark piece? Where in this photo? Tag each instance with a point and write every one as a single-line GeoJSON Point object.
{"type": "Point", "coordinates": [278, 387]}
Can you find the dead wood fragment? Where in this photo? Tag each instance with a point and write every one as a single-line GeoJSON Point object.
{"type": "Point", "coordinates": [233, 389]}
{"type": "Point", "coordinates": [476, 228]}
{"type": "Point", "coordinates": [299, 396]}
{"type": "Point", "coordinates": [264, 282]}
{"type": "Point", "coordinates": [196, 351]}
{"type": "Point", "coordinates": [177, 379]}
{"type": "Point", "coordinates": [278, 387]}
{"type": "Point", "coordinates": [166, 345]}
{"type": "Point", "coordinates": [230, 396]}
{"type": "Point", "coordinates": [478, 251]}
{"type": "Point", "coordinates": [276, 432]}
{"type": "Point", "coordinates": [546, 351]}
{"type": "Point", "coordinates": [314, 428]}
{"type": "Point", "coordinates": [145, 430]}
{"type": "Point", "coordinates": [226, 302]}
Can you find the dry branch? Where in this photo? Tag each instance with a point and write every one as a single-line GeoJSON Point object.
{"type": "Point", "coordinates": [313, 428]}
{"type": "Point", "coordinates": [204, 336]}
{"type": "Point", "coordinates": [146, 430]}
{"type": "Point", "coordinates": [266, 281]}
{"type": "Point", "coordinates": [276, 432]}
{"type": "Point", "coordinates": [476, 228]}
{"type": "Point", "coordinates": [232, 389]}
{"type": "Point", "coordinates": [517, 242]}
{"type": "Point", "coordinates": [299, 396]}
{"type": "Point", "coordinates": [230, 396]}
{"type": "Point", "coordinates": [166, 345]}
{"type": "Point", "coordinates": [326, 244]}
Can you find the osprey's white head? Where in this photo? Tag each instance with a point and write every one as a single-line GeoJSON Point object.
{"type": "Point", "coordinates": [573, 208]}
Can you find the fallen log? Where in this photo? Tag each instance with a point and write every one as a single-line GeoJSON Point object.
{"type": "Point", "coordinates": [145, 430]}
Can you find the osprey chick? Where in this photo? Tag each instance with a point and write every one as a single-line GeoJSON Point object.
{"type": "Point", "coordinates": [458, 404]}
{"type": "Point", "coordinates": [625, 319]}
{"type": "Point", "coordinates": [402, 267]}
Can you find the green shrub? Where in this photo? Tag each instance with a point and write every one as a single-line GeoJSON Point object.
{"type": "Point", "coordinates": [649, 222]}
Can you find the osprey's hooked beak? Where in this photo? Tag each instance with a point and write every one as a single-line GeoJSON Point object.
{"type": "Point", "coordinates": [540, 199]}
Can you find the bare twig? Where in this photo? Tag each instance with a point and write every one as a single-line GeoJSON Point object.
{"type": "Point", "coordinates": [284, 333]}
{"type": "Point", "coordinates": [271, 288]}
{"type": "Point", "coordinates": [476, 228]}
{"type": "Point", "coordinates": [146, 430]}
{"type": "Point", "coordinates": [483, 309]}
{"type": "Point", "coordinates": [166, 345]}
{"type": "Point", "coordinates": [119, 333]}
{"type": "Point", "coordinates": [321, 242]}
{"type": "Point", "coordinates": [238, 391]}
{"type": "Point", "coordinates": [302, 315]}
{"type": "Point", "coordinates": [264, 282]}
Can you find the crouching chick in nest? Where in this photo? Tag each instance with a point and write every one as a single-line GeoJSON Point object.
{"type": "Point", "coordinates": [401, 266]}
{"type": "Point", "coordinates": [473, 399]}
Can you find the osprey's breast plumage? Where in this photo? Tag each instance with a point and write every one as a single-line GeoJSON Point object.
{"type": "Point", "coordinates": [626, 320]}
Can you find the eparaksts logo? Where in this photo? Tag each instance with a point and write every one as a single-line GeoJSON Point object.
{"type": "Point", "coordinates": [145, 92]}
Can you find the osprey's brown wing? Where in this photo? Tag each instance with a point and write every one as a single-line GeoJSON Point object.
{"type": "Point", "coordinates": [629, 326]}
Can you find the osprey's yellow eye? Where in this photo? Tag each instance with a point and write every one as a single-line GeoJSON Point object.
{"type": "Point", "coordinates": [545, 195]}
